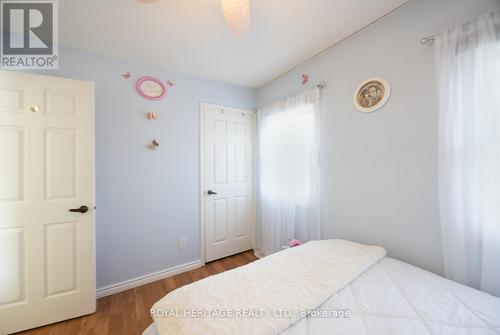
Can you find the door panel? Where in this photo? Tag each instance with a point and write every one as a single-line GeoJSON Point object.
{"type": "Point", "coordinates": [240, 162]}
{"type": "Point", "coordinates": [220, 126]}
{"type": "Point", "coordinates": [61, 258]}
{"type": "Point", "coordinates": [11, 163]}
{"type": "Point", "coordinates": [220, 163]}
{"type": "Point", "coordinates": [12, 258]}
{"type": "Point", "coordinates": [229, 137]}
{"type": "Point", "coordinates": [241, 216]}
{"type": "Point", "coordinates": [46, 168]}
{"type": "Point", "coordinates": [11, 99]}
{"type": "Point", "coordinates": [60, 103]}
{"type": "Point", "coordinates": [220, 220]}
{"type": "Point", "coordinates": [61, 163]}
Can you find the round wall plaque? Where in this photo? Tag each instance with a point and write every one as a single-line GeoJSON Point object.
{"type": "Point", "coordinates": [372, 94]}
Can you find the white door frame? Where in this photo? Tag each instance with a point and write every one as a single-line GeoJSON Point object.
{"type": "Point", "coordinates": [204, 105]}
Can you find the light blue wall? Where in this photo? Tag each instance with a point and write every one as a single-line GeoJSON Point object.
{"type": "Point", "coordinates": [380, 170]}
{"type": "Point", "coordinates": [146, 200]}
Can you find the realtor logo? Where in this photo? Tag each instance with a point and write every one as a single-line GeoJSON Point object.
{"type": "Point", "coordinates": [29, 35]}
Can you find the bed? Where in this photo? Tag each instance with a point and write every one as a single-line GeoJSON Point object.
{"type": "Point", "coordinates": [381, 296]}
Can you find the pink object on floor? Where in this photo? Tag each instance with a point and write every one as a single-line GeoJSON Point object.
{"type": "Point", "coordinates": [294, 243]}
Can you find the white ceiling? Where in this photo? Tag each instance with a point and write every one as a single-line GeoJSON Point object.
{"type": "Point", "coordinates": [191, 37]}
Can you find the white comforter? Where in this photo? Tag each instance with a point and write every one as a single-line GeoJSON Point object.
{"type": "Point", "coordinates": [268, 295]}
{"type": "Point", "coordinates": [396, 298]}
{"type": "Point", "coordinates": [393, 297]}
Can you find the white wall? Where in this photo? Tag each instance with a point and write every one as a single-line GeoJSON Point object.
{"type": "Point", "coordinates": [380, 169]}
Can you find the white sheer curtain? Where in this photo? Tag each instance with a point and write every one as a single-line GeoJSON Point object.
{"type": "Point", "coordinates": [288, 172]}
{"type": "Point", "coordinates": [469, 127]}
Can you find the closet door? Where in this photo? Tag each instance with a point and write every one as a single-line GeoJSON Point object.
{"type": "Point", "coordinates": [46, 200]}
{"type": "Point", "coordinates": [228, 173]}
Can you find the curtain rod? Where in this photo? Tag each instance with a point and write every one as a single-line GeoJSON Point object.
{"type": "Point", "coordinates": [431, 39]}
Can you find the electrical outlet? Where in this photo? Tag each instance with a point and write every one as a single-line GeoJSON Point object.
{"type": "Point", "coordinates": [182, 242]}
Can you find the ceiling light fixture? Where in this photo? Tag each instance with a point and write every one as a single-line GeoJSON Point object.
{"type": "Point", "coordinates": [237, 15]}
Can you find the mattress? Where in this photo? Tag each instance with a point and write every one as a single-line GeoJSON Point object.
{"type": "Point", "coordinates": [393, 297]}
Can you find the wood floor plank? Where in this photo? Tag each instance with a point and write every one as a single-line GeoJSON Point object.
{"type": "Point", "coordinates": [127, 312]}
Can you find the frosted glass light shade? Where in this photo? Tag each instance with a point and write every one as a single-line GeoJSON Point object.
{"type": "Point", "coordinates": [237, 15]}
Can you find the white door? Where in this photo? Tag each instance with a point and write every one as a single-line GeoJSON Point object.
{"type": "Point", "coordinates": [46, 169]}
{"type": "Point", "coordinates": [228, 180]}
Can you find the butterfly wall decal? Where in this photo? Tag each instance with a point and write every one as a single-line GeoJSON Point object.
{"type": "Point", "coordinates": [170, 83]}
{"type": "Point", "coordinates": [151, 116]}
{"type": "Point", "coordinates": [126, 75]}
{"type": "Point", "coordinates": [153, 145]}
{"type": "Point", "coordinates": [305, 79]}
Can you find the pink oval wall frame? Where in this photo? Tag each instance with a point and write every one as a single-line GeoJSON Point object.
{"type": "Point", "coordinates": [146, 96]}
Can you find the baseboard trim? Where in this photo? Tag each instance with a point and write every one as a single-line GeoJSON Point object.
{"type": "Point", "coordinates": [146, 279]}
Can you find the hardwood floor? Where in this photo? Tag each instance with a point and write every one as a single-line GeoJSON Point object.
{"type": "Point", "coordinates": [127, 313]}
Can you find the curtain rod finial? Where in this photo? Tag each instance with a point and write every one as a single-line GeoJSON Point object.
{"type": "Point", "coordinates": [427, 40]}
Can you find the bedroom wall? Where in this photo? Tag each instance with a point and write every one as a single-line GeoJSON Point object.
{"type": "Point", "coordinates": [145, 200]}
{"type": "Point", "coordinates": [380, 169]}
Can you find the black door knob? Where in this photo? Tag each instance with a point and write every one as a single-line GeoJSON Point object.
{"type": "Point", "coordinates": [82, 209]}
{"type": "Point", "coordinates": [210, 192]}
